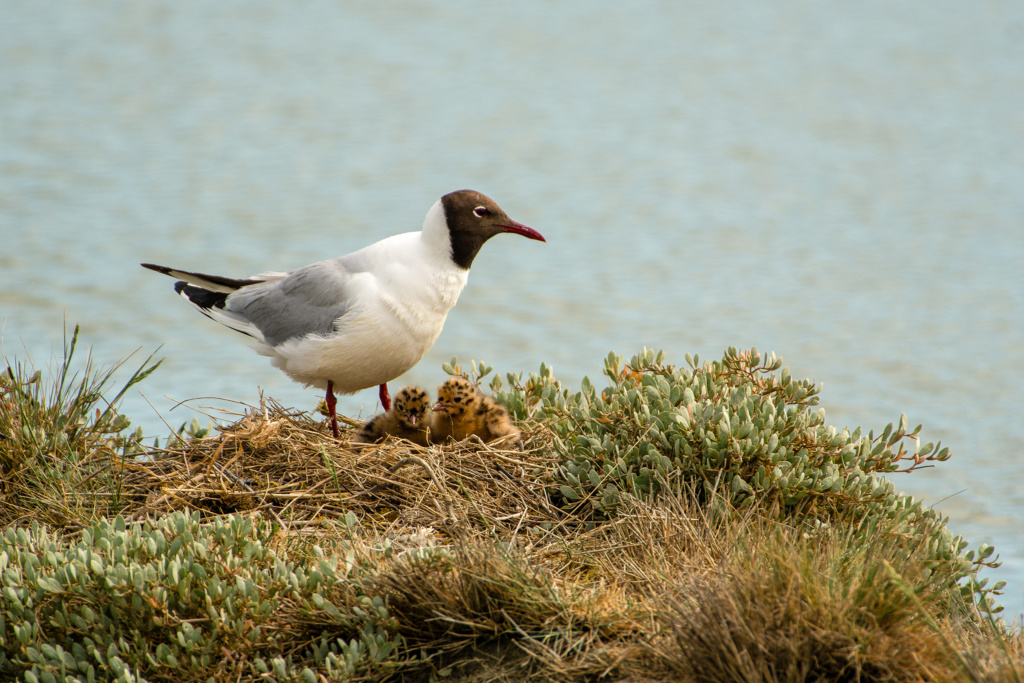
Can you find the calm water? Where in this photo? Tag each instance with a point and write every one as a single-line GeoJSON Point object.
{"type": "Point", "coordinates": [840, 183]}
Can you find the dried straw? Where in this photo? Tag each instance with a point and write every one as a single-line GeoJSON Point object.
{"type": "Point", "coordinates": [286, 465]}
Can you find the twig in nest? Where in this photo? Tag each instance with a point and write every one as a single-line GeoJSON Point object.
{"type": "Point", "coordinates": [419, 461]}
{"type": "Point", "coordinates": [433, 477]}
{"type": "Point", "coordinates": [234, 478]}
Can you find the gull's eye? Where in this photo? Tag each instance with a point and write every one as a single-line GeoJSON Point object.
{"type": "Point", "coordinates": [480, 211]}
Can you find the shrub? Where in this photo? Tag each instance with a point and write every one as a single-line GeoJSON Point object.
{"type": "Point", "coordinates": [178, 600]}
{"type": "Point", "coordinates": [744, 428]}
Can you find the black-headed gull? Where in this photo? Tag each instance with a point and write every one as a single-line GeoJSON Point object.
{"type": "Point", "coordinates": [359, 320]}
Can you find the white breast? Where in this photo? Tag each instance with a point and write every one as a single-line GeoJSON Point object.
{"type": "Point", "coordinates": [402, 294]}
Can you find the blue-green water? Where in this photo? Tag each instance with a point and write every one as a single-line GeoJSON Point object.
{"type": "Point", "coordinates": [838, 183]}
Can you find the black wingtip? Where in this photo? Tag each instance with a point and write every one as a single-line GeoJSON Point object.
{"type": "Point", "coordinates": [203, 298]}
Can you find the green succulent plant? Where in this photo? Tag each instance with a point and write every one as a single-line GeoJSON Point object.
{"type": "Point", "coordinates": [177, 594]}
{"type": "Point", "coordinates": [744, 427]}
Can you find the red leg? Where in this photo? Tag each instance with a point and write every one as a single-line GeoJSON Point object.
{"type": "Point", "coordinates": [331, 402]}
{"type": "Point", "coordinates": [385, 397]}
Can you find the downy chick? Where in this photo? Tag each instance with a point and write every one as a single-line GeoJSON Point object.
{"type": "Point", "coordinates": [407, 419]}
{"type": "Point", "coordinates": [462, 411]}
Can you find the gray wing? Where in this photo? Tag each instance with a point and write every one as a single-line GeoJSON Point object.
{"type": "Point", "coordinates": [308, 300]}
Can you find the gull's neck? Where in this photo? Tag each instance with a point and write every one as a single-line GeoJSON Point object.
{"type": "Point", "coordinates": [435, 235]}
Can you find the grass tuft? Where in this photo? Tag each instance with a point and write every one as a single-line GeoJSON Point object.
{"type": "Point", "coordinates": [62, 439]}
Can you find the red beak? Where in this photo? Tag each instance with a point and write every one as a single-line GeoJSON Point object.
{"type": "Point", "coordinates": [520, 229]}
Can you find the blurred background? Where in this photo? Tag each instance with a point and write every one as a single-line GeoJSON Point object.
{"type": "Point", "coordinates": [840, 183]}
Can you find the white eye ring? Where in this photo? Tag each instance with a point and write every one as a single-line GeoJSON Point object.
{"type": "Point", "coordinates": [480, 211]}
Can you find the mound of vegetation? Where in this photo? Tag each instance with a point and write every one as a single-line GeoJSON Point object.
{"type": "Point", "coordinates": [700, 524]}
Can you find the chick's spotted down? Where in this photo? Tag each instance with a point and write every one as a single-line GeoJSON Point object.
{"type": "Point", "coordinates": [408, 419]}
{"type": "Point", "coordinates": [462, 411]}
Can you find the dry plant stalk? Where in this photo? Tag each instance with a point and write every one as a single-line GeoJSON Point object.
{"type": "Point", "coordinates": [286, 465]}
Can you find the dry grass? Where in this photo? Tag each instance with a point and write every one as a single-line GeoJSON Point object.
{"type": "Point", "coordinates": [59, 439]}
{"type": "Point", "coordinates": [785, 609]}
{"type": "Point", "coordinates": [285, 465]}
{"type": "Point", "coordinates": [489, 579]}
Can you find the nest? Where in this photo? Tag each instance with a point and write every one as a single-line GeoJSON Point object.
{"type": "Point", "coordinates": [286, 465]}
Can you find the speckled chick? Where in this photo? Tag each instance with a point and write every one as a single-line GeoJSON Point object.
{"type": "Point", "coordinates": [408, 419]}
{"type": "Point", "coordinates": [498, 423]}
{"type": "Point", "coordinates": [461, 411]}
